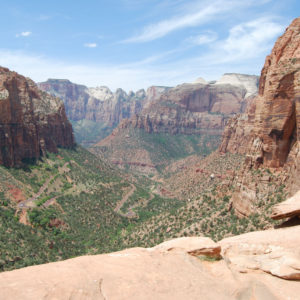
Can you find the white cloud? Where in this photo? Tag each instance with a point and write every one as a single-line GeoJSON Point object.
{"type": "Point", "coordinates": [90, 45]}
{"type": "Point", "coordinates": [128, 76]}
{"type": "Point", "coordinates": [202, 39]}
{"type": "Point", "coordinates": [250, 39]}
{"type": "Point", "coordinates": [43, 17]}
{"type": "Point", "coordinates": [24, 33]}
{"type": "Point", "coordinates": [243, 50]}
{"type": "Point", "coordinates": [158, 30]}
{"type": "Point", "coordinates": [197, 13]}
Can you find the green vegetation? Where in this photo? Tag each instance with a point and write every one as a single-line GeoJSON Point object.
{"type": "Point", "coordinates": [71, 197]}
{"type": "Point", "coordinates": [159, 149]}
{"type": "Point", "coordinates": [80, 221]}
{"type": "Point", "coordinates": [89, 132]}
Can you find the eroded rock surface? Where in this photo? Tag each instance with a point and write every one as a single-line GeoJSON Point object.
{"type": "Point", "coordinates": [97, 104]}
{"type": "Point", "coordinates": [192, 245]}
{"type": "Point", "coordinates": [288, 208]}
{"type": "Point", "coordinates": [268, 133]}
{"type": "Point", "coordinates": [273, 251]}
{"type": "Point", "coordinates": [192, 107]}
{"type": "Point", "coordinates": [252, 267]}
{"type": "Point", "coordinates": [272, 122]}
{"type": "Point", "coordinates": [31, 121]}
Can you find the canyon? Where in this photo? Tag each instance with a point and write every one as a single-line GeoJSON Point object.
{"type": "Point", "coordinates": [95, 112]}
{"type": "Point", "coordinates": [196, 111]}
{"type": "Point", "coordinates": [220, 224]}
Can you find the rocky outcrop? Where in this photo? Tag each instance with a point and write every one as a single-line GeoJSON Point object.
{"type": "Point", "coordinates": [268, 133]}
{"type": "Point", "coordinates": [196, 246]}
{"type": "Point", "coordinates": [272, 251]}
{"type": "Point", "coordinates": [272, 124]}
{"type": "Point", "coordinates": [288, 208]}
{"type": "Point", "coordinates": [31, 121]}
{"type": "Point", "coordinates": [195, 107]}
{"type": "Point", "coordinates": [97, 104]}
{"type": "Point", "coordinates": [249, 82]}
{"type": "Point", "coordinates": [252, 266]}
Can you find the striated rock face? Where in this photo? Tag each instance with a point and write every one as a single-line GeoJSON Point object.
{"type": "Point", "coordinates": [191, 108]}
{"type": "Point", "coordinates": [268, 133]}
{"type": "Point", "coordinates": [97, 104]}
{"type": "Point", "coordinates": [249, 82]}
{"type": "Point", "coordinates": [272, 124]}
{"type": "Point", "coordinates": [257, 265]}
{"type": "Point", "coordinates": [200, 109]}
{"type": "Point", "coordinates": [288, 208]}
{"type": "Point", "coordinates": [31, 121]}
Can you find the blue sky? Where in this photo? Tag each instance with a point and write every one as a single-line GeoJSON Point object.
{"type": "Point", "coordinates": [133, 44]}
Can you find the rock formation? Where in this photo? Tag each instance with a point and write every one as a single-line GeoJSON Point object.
{"type": "Point", "coordinates": [249, 82]}
{"type": "Point", "coordinates": [288, 208]}
{"type": "Point", "coordinates": [268, 133]}
{"type": "Point", "coordinates": [31, 121]}
{"type": "Point", "coordinates": [273, 120]}
{"type": "Point", "coordinates": [194, 107]}
{"type": "Point", "coordinates": [256, 265]}
{"type": "Point", "coordinates": [200, 109]}
{"type": "Point", "coordinates": [97, 104]}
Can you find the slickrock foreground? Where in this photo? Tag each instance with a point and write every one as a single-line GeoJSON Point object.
{"type": "Point", "coordinates": [288, 208]}
{"type": "Point", "coordinates": [156, 273]}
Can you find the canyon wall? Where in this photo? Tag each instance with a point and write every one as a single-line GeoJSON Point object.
{"type": "Point", "coordinates": [96, 104]}
{"type": "Point", "coordinates": [268, 133]}
{"type": "Point", "coordinates": [195, 107]}
{"type": "Point", "coordinates": [31, 121]}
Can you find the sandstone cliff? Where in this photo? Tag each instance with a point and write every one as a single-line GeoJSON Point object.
{"type": "Point", "coordinates": [195, 107]}
{"type": "Point", "coordinates": [97, 104]}
{"type": "Point", "coordinates": [176, 122]}
{"type": "Point", "coordinates": [31, 121]}
{"type": "Point", "coordinates": [268, 133]}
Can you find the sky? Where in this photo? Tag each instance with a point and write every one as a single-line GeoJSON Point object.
{"type": "Point", "coordinates": [133, 44]}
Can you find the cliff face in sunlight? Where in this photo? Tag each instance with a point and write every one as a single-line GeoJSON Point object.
{"type": "Point", "coordinates": [32, 122]}
{"type": "Point", "coordinates": [269, 132]}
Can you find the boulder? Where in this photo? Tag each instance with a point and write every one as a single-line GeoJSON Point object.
{"type": "Point", "coordinates": [196, 246]}
{"type": "Point", "coordinates": [273, 251]}
{"type": "Point", "coordinates": [288, 208]}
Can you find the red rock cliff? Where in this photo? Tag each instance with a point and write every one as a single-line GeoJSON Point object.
{"type": "Point", "coordinates": [270, 128]}
{"type": "Point", "coordinates": [269, 132]}
{"type": "Point", "coordinates": [31, 121]}
{"type": "Point", "coordinates": [192, 108]}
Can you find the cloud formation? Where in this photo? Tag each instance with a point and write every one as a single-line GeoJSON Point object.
{"type": "Point", "coordinates": [198, 13]}
{"type": "Point", "coordinates": [248, 40]}
{"type": "Point", "coordinates": [90, 45]}
{"type": "Point", "coordinates": [205, 38]}
{"type": "Point", "coordinates": [24, 34]}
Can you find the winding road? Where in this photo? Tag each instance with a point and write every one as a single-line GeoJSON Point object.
{"type": "Point", "coordinates": [30, 201]}
{"type": "Point", "coordinates": [124, 199]}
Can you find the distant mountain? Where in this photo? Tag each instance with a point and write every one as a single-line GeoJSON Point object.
{"type": "Point", "coordinates": [96, 104]}
{"type": "Point", "coordinates": [95, 112]}
{"type": "Point", "coordinates": [197, 111]}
